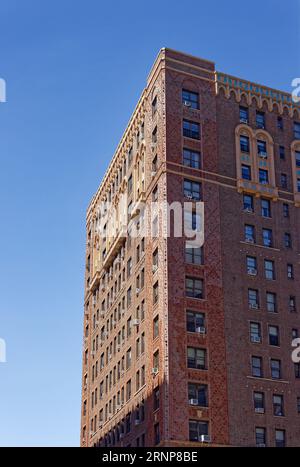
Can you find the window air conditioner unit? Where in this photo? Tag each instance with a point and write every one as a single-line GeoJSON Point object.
{"type": "Point", "coordinates": [200, 329]}
{"type": "Point", "coordinates": [256, 339]}
{"type": "Point", "coordinates": [187, 103]}
{"type": "Point", "coordinates": [263, 154]}
{"type": "Point", "coordinates": [135, 322]}
{"type": "Point", "coordinates": [252, 272]}
{"type": "Point", "coordinates": [194, 402]}
{"type": "Point", "coordinates": [249, 240]}
{"type": "Point", "coordinates": [244, 120]}
{"type": "Point", "coordinates": [189, 196]}
{"type": "Point", "coordinates": [248, 210]}
{"type": "Point", "coordinates": [261, 445]}
{"type": "Point", "coordinates": [259, 410]}
{"type": "Point", "coordinates": [205, 439]}
{"type": "Point", "coordinates": [154, 371]}
{"type": "Point", "coordinates": [254, 306]}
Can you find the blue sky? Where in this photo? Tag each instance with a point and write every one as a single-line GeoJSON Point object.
{"type": "Point", "coordinates": [74, 71]}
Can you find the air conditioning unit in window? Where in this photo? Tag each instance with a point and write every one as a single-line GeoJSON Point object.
{"type": "Point", "coordinates": [248, 210]}
{"type": "Point", "coordinates": [256, 339]}
{"type": "Point", "coordinates": [200, 329]}
{"type": "Point", "coordinates": [137, 422]}
{"type": "Point", "coordinates": [259, 410]}
{"type": "Point", "coordinates": [244, 120]}
{"type": "Point", "coordinates": [205, 439]}
{"type": "Point", "coordinates": [263, 154]}
{"type": "Point", "coordinates": [154, 371]}
{"type": "Point", "coordinates": [189, 196]}
{"type": "Point", "coordinates": [261, 445]}
{"type": "Point", "coordinates": [252, 272]}
{"type": "Point", "coordinates": [193, 402]}
{"type": "Point", "coordinates": [253, 306]}
{"type": "Point", "coordinates": [186, 103]}
{"type": "Point", "coordinates": [135, 322]}
{"type": "Point", "coordinates": [249, 240]}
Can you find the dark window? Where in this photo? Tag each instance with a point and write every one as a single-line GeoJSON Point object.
{"type": "Point", "coordinates": [244, 144]}
{"type": "Point", "coordinates": [259, 401]}
{"type": "Point", "coordinates": [198, 394]}
{"type": "Point", "coordinates": [193, 255]}
{"type": "Point", "coordinates": [290, 271]}
{"type": "Point", "coordinates": [156, 434]}
{"type": "Point", "coordinates": [260, 120]}
{"type": "Point", "coordinates": [253, 298]}
{"type": "Point", "coordinates": [280, 438]}
{"type": "Point", "coordinates": [154, 135]}
{"type": "Point", "coordinates": [154, 105]}
{"type": "Point", "coordinates": [155, 293]}
{"type": "Point", "coordinates": [287, 240]}
{"type": "Point", "coordinates": [193, 287]}
{"type": "Point", "coordinates": [274, 335]}
{"type": "Point", "coordinates": [260, 436]}
{"type": "Point", "coordinates": [192, 190]}
{"type": "Point", "coordinates": [191, 158]}
{"type": "Point", "coordinates": [271, 302]}
{"type": "Point", "coordinates": [275, 366]}
{"type": "Point", "coordinates": [265, 208]}
{"type": "Point", "coordinates": [191, 129]}
{"type": "Point", "coordinates": [279, 123]}
{"type": "Point", "coordinates": [269, 269]}
{"type": "Point", "coordinates": [155, 327]}
{"type": "Point", "coordinates": [244, 118]}
{"type": "Point", "coordinates": [267, 237]}
{"type": "Point", "coordinates": [197, 429]}
{"type": "Point", "coordinates": [190, 99]}
{"type": "Point", "coordinates": [292, 304]}
{"type": "Point", "coordinates": [281, 152]}
{"type": "Point", "coordinates": [196, 358]}
{"type": "Point", "coordinates": [286, 210]}
{"type": "Point", "coordinates": [297, 156]}
{"type": "Point", "coordinates": [278, 408]}
{"type": "Point", "coordinates": [156, 398]}
{"type": "Point", "coordinates": [248, 203]}
{"type": "Point", "coordinates": [255, 332]}
{"type": "Point", "coordinates": [283, 180]}
{"type": "Point", "coordinates": [195, 321]}
{"type": "Point", "coordinates": [257, 367]}
{"type": "Point", "coordinates": [249, 233]}
{"type": "Point", "coordinates": [251, 265]}
{"type": "Point", "coordinates": [263, 176]}
{"type": "Point", "coordinates": [246, 172]}
{"type": "Point", "coordinates": [297, 370]}
{"type": "Point", "coordinates": [261, 148]}
{"type": "Point", "coordinates": [297, 130]}
{"type": "Point", "coordinates": [298, 185]}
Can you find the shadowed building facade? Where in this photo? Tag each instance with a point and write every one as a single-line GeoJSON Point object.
{"type": "Point", "coordinates": [192, 346]}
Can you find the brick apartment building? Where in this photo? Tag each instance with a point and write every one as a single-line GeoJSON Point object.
{"type": "Point", "coordinates": [192, 347]}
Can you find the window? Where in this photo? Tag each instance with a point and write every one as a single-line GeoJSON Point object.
{"type": "Point", "coordinates": [257, 367]}
{"type": "Point", "coordinates": [155, 327]}
{"type": "Point", "coordinates": [190, 99]}
{"type": "Point", "coordinates": [255, 332]}
{"type": "Point", "coordinates": [155, 259]}
{"type": "Point", "coordinates": [297, 155]}
{"type": "Point", "coordinates": [298, 185]}
{"type": "Point", "coordinates": [154, 106]}
{"type": "Point", "coordinates": [287, 240]}
{"type": "Point", "coordinates": [298, 404]}
{"type": "Point", "coordinates": [193, 255]}
{"type": "Point", "coordinates": [267, 238]}
{"type": "Point", "coordinates": [198, 394]}
{"type": "Point", "coordinates": [261, 148]}
{"type": "Point", "coordinates": [128, 359]}
{"type": "Point", "coordinates": [275, 366]}
{"type": "Point", "coordinates": [274, 335]}
{"type": "Point", "coordinates": [283, 181]}
{"type": "Point", "coordinates": [193, 287]}
{"type": "Point", "coordinates": [281, 152]}
{"type": "Point", "coordinates": [154, 135]}
{"type": "Point", "coordinates": [260, 437]}
{"type": "Point", "coordinates": [155, 194]}
{"type": "Point", "coordinates": [297, 130]}
{"type": "Point", "coordinates": [271, 302]}
{"type": "Point", "coordinates": [244, 144]}
{"type": "Point", "coordinates": [244, 118]}
{"type": "Point", "coordinates": [191, 158]}
{"type": "Point", "coordinates": [279, 123]}
{"type": "Point", "coordinates": [278, 409]}
{"type": "Point", "coordinates": [192, 221]}
{"type": "Point", "coordinates": [286, 211]}
{"type": "Point", "coordinates": [280, 438]}
{"type": "Point", "coordinates": [128, 390]}
{"type": "Point", "coordinates": [259, 402]}
{"type": "Point", "coordinates": [196, 358]}
{"type": "Point", "coordinates": [253, 298]}
{"type": "Point", "coordinates": [290, 271]}
{"type": "Point", "coordinates": [246, 172]}
{"type": "Point", "coordinates": [156, 398]}
{"type": "Point", "coordinates": [251, 265]}
{"type": "Point", "coordinates": [297, 370]}
{"type": "Point", "coordinates": [263, 176]}
{"type": "Point", "coordinates": [265, 208]}
{"type": "Point", "coordinates": [292, 304]}
{"type": "Point", "coordinates": [249, 233]}
{"type": "Point", "coordinates": [195, 321]}
{"type": "Point", "coordinates": [260, 120]}
{"type": "Point", "coordinates": [129, 267]}
{"type": "Point", "coordinates": [295, 333]}
{"type": "Point", "coordinates": [154, 164]}
{"type": "Point", "coordinates": [192, 190]}
{"type": "Point", "coordinates": [156, 434]}
{"type": "Point", "coordinates": [191, 129]}
{"type": "Point", "coordinates": [197, 429]}
{"type": "Point", "coordinates": [156, 360]}
{"type": "Point", "coordinates": [269, 269]}
{"type": "Point", "coordinates": [155, 293]}
{"type": "Point", "coordinates": [248, 203]}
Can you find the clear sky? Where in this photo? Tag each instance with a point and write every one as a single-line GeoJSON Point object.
{"type": "Point", "coordinates": [74, 71]}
